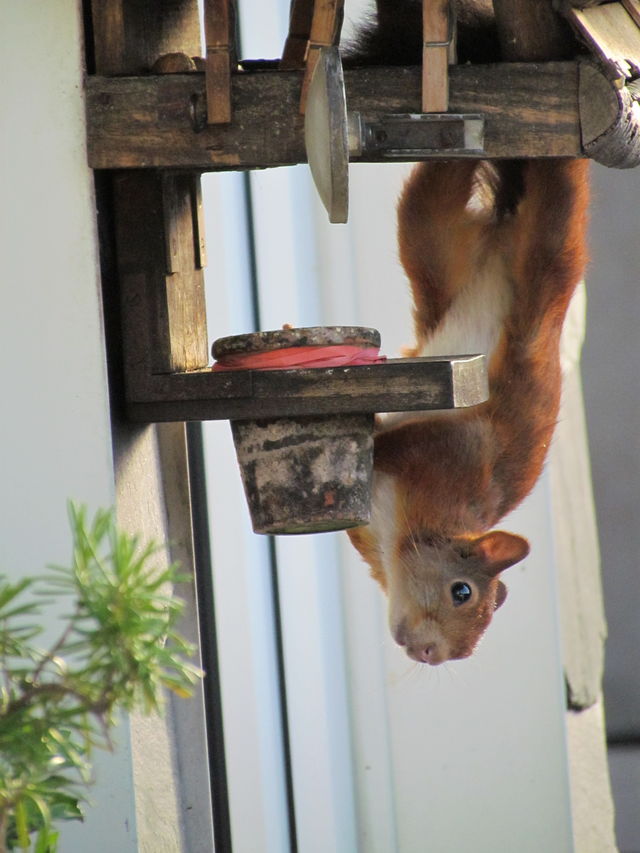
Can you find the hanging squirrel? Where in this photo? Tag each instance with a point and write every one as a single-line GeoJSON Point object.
{"type": "Point", "coordinates": [493, 253]}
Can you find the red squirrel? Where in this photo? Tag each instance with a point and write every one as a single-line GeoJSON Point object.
{"type": "Point", "coordinates": [493, 253]}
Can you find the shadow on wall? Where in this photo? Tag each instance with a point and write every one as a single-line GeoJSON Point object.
{"type": "Point", "coordinates": [610, 363]}
{"type": "Point", "coordinates": [612, 398]}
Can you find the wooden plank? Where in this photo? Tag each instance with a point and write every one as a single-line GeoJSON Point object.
{"type": "Point", "coordinates": [613, 35]}
{"type": "Point", "coordinates": [436, 24]}
{"type": "Point", "coordinates": [396, 385]}
{"type": "Point", "coordinates": [531, 110]}
{"type": "Point", "coordinates": [609, 119]}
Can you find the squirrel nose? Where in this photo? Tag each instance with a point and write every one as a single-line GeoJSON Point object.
{"type": "Point", "coordinates": [428, 654]}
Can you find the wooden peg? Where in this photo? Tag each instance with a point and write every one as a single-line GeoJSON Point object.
{"type": "Point", "coordinates": [219, 28]}
{"type": "Point", "coordinates": [437, 26]}
{"type": "Point", "coordinates": [325, 32]}
{"type": "Point", "coordinates": [295, 47]}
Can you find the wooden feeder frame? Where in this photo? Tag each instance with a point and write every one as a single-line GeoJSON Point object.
{"type": "Point", "coordinates": [155, 133]}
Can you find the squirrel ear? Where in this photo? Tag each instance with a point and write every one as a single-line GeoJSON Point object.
{"type": "Point", "coordinates": [498, 550]}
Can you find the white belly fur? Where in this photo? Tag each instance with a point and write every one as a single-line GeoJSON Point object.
{"type": "Point", "coordinates": [383, 516]}
{"type": "Point", "coordinates": [474, 321]}
{"type": "Point", "coordinates": [472, 324]}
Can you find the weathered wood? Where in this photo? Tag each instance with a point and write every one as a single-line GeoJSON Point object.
{"type": "Point", "coordinates": [219, 29]}
{"type": "Point", "coordinates": [130, 36]}
{"type": "Point", "coordinates": [306, 475]}
{"type": "Point", "coordinates": [612, 35]}
{"type": "Point", "coordinates": [397, 385]}
{"type": "Point", "coordinates": [110, 43]}
{"type": "Point", "coordinates": [609, 119]}
{"type": "Point", "coordinates": [303, 474]}
{"type": "Point", "coordinates": [158, 251]}
{"type": "Point", "coordinates": [155, 242]}
{"type": "Point", "coordinates": [436, 25]}
{"type": "Point", "coordinates": [609, 123]}
{"type": "Point", "coordinates": [291, 337]}
{"type": "Point", "coordinates": [531, 110]}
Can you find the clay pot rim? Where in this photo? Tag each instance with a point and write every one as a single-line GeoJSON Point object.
{"type": "Point", "coordinates": [275, 339]}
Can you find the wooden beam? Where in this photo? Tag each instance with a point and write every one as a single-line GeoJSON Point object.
{"type": "Point", "coordinates": [531, 110]}
{"type": "Point", "coordinates": [396, 385]}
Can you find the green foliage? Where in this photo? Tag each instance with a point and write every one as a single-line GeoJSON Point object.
{"type": "Point", "coordinates": [118, 649]}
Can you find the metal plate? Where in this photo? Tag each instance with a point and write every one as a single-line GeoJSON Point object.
{"type": "Point", "coordinates": [325, 134]}
{"type": "Point", "coordinates": [423, 135]}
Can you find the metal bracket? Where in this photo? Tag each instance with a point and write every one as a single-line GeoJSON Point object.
{"type": "Point", "coordinates": [333, 135]}
{"type": "Point", "coordinates": [416, 135]}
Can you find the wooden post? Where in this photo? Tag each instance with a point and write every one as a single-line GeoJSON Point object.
{"type": "Point", "coordinates": [159, 244]}
{"type": "Point", "coordinates": [219, 29]}
{"type": "Point", "coordinates": [437, 26]}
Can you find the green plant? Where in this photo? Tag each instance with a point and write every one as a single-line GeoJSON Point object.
{"type": "Point", "coordinates": [119, 647]}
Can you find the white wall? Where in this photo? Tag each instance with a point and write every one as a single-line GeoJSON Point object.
{"type": "Point", "coordinates": [54, 432]}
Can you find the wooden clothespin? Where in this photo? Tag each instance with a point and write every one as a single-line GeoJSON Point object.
{"type": "Point", "coordinates": [295, 47]}
{"type": "Point", "coordinates": [325, 32]}
{"type": "Point", "coordinates": [219, 30]}
{"type": "Point", "coordinates": [437, 28]}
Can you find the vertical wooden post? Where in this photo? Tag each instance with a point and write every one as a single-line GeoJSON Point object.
{"type": "Point", "coordinates": [159, 241]}
{"type": "Point", "coordinates": [219, 29]}
{"type": "Point", "coordinates": [437, 26]}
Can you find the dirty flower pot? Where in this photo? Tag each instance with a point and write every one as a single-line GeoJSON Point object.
{"type": "Point", "coordinates": [307, 474]}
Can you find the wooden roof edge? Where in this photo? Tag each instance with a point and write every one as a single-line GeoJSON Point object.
{"type": "Point", "coordinates": [609, 118]}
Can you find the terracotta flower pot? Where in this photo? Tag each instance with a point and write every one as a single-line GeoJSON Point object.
{"type": "Point", "coordinates": [305, 474]}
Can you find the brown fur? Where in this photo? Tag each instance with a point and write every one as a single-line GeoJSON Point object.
{"type": "Point", "coordinates": [455, 475]}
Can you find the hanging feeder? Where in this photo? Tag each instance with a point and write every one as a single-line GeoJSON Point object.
{"type": "Point", "coordinates": [308, 474]}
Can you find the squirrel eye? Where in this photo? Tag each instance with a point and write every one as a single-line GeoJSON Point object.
{"type": "Point", "coordinates": [460, 593]}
